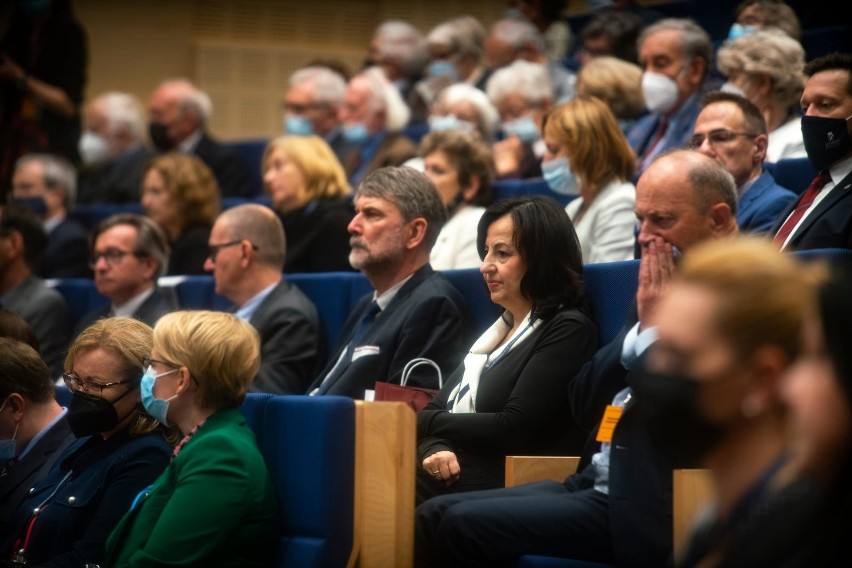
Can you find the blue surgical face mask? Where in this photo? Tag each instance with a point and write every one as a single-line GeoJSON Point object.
{"type": "Point", "coordinates": [8, 449]}
{"type": "Point", "coordinates": [355, 133]}
{"type": "Point", "coordinates": [739, 30]}
{"type": "Point", "coordinates": [443, 68]}
{"type": "Point", "coordinates": [156, 407]}
{"type": "Point", "coordinates": [559, 177]}
{"type": "Point", "coordinates": [729, 87]}
{"type": "Point", "coordinates": [524, 128]}
{"type": "Point", "coordinates": [448, 122]}
{"type": "Point", "coordinates": [298, 125]}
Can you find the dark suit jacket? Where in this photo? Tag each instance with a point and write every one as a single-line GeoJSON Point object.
{"type": "Point", "coordinates": [762, 203]}
{"type": "Point", "coordinates": [640, 480]}
{"type": "Point", "coordinates": [829, 225]}
{"type": "Point", "coordinates": [34, 466]}
{"type": "Point", "coordinates": [427, 318]}
{"type": "Point", "coordinates": [520, 403]}
{"type": "Point", "coordinates": [288, 325]}
{"type": "Point", "coordinates": [153, 308]}
{"type": "Point", "coordinates": [229, 168]}
{"type": "Point", "coordinates": [395, 150]}
{"type": "Point", "coordinates": [117, 181]}
{"type": "Point", "coordinates": [318, 236]}
{"type": "Point", "coordinates": [642, 133]}
{"type": "Point", "coordinates": [67, 253]}
{"type": "Point", "coordinates": [189, 252]}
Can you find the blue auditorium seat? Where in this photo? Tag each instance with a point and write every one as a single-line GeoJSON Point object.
{"type": "Point", "coordinates": [416, 131]}
{"type": "Point", "coordinates": [253, 410]}
{"type": "Point", "coordinates": [199, 293]}
{"type": "Point", "coordinates": [510, 188]}
{"type": "Point", "coordinates": [251, 151]}
{"type": "Point", "coordinates": [793, 173]}
{"type": "Point", "coordinates": [63, 395]}
{"type": "Point", "coordinates": [309, 447]}
{"type": "Point", "coordinates": [91, 214]}
{"type": "Point", "coordinates": [611, 287]}
{"type": "Point", "coordinates": [331, 293]}
{"type": "Point", "coordinates": [469, 283]}
{"type": "Point", "coordinates": [81, 296]}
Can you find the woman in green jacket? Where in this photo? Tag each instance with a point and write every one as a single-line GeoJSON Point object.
{"type": "Point", "coordinates": [215, 503]}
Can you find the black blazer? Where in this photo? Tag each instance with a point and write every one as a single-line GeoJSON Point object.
{"type": "Point", "coordinates": [288, 325]}
{"type": "Point", "coordinates": [230, 169]}
{"type": "Point", "coordinates": [115, 182]}
{"type": "Point", "coordinates": [34, 466]}
{"type": "Point", "coordinates": [189, 252]}
{"type": "Point", "coordinates": [640, 480]}
{"type": "Point", "coordinates": [153, 308]}
{"type": "Point", "coordinates": [829, 225]}
{"type": "Point", "coordinates": [318, 236]}
{"type": "Point", "coordinates": [67, 253]}
{"type": "Point", "coordinates": [520, 404]}
{"type": "Point", "coordinates": [427, 318]}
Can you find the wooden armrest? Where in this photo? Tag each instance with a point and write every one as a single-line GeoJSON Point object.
{"type": "Point", "coordinates": [526, 469]}
{"type": "Point", "coordinates": [385, 440]}
{"type": "Point", "coordinates": [691, 490]}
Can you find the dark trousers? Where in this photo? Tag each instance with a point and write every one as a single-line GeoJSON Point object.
{"type": "Point", "coordinates": [495, 527]}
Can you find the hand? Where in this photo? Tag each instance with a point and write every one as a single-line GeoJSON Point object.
{"type": "Point", "coordinates": [508, 155]}
{"type": "Point", "coordinates": [10, 71]}
{"type": "Point", "coordinates": [443, 466]}
{"type": "Point", "coordinates": [655, 272]}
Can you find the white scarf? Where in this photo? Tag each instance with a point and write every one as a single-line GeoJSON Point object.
{"type": "Point", "coordinates": [462, 398]}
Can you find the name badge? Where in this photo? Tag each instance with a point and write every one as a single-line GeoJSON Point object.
{"type": "Point", "coordinates": [364, 351]}
{"type": "Point", "coordinates": [610, 419]}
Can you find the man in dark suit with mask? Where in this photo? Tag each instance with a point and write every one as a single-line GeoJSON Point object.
{"type": "Point", "coordinates": [822, 216]}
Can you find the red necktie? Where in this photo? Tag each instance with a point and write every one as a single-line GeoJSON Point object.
{"type": "Point", "coordinates": [807, 199]}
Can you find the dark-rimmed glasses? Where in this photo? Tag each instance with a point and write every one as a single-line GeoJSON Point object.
{"type": "Point", "coordinates": [213, 250]}
{"type": "Point", "coordinates": [717, 137]}
{"type": "Point", "coordinates": [112, 256]}
{"type": "Point", "coordinates": [73, 382]}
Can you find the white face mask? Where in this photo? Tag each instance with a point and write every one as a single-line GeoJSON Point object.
{"type": "Point", "coordinates": [660, 92]}
{"type": "Point", "coordinates": [94, 149]}
{"type": "Point", "coordinates": [729, 87]}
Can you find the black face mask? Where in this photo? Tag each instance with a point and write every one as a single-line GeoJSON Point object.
{"type": "Point", "coordinates": [826, 140]}
{"type": "Point", "coordinates": [159, 137]}
{"type": "Point", "coordinates": [89, 414]}
{"type": "Point", "coordinates": [34, 204]}
{"type": "Point", "coordinates": [676, 424]}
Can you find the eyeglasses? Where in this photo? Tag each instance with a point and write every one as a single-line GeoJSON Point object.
{"type": "Point", "coordinates": [213, 250]}
{"type": "Point", "coordinates": [147, 362]}
{"type": "Point", "coordinates": [76, 383]}
{"type": "Point", "coordinates": [112, 256]}
{"type": "Point", "coordinates": [717, 137]}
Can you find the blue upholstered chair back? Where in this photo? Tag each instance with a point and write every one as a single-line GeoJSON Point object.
{"type": "Point", "coordinates": [611, 287]}
{"type": "Point", "coordinates": [251, 152]}
{"type": "Point", "coordinates": [81, 296]}
{"type": "Point", "coordinates": [510, 188]}
{"type": "Point", "coordinates": [793, 173]}
{"type": "Point", "coordinates": [469, 283]}
{"type": "Point", "coordinates": [199, 293]}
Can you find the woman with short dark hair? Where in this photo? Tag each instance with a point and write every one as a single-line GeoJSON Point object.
{"type": "Point", "coordinates": [510, 396]}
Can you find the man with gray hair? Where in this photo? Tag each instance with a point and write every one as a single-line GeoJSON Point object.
{"type": "Point", "coordinates": [247, 249]}
{"type": "Point", "coordinates": [400, 50]}
{"type": "Point", "coordinates": [47, 184]}
{"type": "Point", "coordinates": [312, 106]}
{"type": "Point", "coordinates": [373, 116]}
{"type": "Point", "coordinates": [113, 149]}
{"type": "Point", "coordinates": [178, 116]}
{"type": "Point", "coordinates": [129, 252]}
{"type": "Point", "coordinates": [413, 311]}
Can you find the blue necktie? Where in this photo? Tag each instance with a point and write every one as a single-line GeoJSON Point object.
{"type": "Point", "coordinates": [343, 362]}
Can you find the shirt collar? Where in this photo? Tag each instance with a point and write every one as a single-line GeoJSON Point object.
{"type": "Point", "coordinates": [246, 311]}
{"type": "Point", "coordinates": [129, 307]}
{"type": "Point", "coordinates": [389, 294]}
{"type": "Point", "coordinates": [190, 142]}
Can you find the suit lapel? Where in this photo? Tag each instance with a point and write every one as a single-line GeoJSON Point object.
{"type": "Point", "coordinates": [842, 191]}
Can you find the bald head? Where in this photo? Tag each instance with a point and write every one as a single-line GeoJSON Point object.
{"type": "Point", "coordinates": [177, 109]}
{"type": "Point", "coordinates": [261, 226]}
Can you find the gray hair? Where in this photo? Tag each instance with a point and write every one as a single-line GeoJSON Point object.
{"type": "Point", "coordinates": [57, 172]}
{"type": "Point", "coordinates": [530, 80]}
{"type": "Point", "coordinates": [464, 35]}
{"type": "Point", "coordinates": [488, 117]}
{"type": "Point", "coordinates": [150, 238]}
{"type": "Point", "coordinates": [412, 193]}
{"type": "Point", "coordinates": [329, 86]}
{"type": "Point", "coordinates": [384, 96]}
{"type": "Point", "coordinates": [517, 34]}
{"type": "Point", "coordinates": [123, 110]}
{"type": "Point", "coordinates": [694, 40]}
{"type": "Point", "coordinates": [404, 43]}
{"type": "Point", "coordinates": [191, 99]}
{"type": "Point", "coordinates": [767, 52]}
{"type": "Point", "coordinates": [261, 226]}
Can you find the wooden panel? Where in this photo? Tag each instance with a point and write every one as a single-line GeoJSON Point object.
{"type": "Point", "coordinates": [527, 469]}
{"type": "Point", "coordinates": [385, 439]}
{"type": "Point", "coordinates": [692, 489]}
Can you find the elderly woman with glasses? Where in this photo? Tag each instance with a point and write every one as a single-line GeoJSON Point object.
{"type": "Point", "coordinates": [120, 449]}
{"type": "Point", "coordinates": [215, 504]}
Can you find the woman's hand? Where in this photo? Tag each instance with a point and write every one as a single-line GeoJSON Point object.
{"type": "Point", "coordinates": [443, 466]}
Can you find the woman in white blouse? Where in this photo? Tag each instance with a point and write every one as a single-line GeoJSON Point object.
{"type": "Point", "coordinates": [460, 165]}
{"type": "Point", "coordinates": [588, 156]}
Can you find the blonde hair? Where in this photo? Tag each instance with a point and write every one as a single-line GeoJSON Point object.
{"type": "Point", "coordinates": [596, 145]}
{"type": "Point", "coordinates": [221, 351]}
{"type": "Point", "coordinates": [128, 339]}
{"type": "Point", "coordinates": [763, 296]}
{"type": "Point", "coordinates": [191, 184]}
{"type": "Point", "coordinates": [616, 82]}
{"type": "Point", "coordinates": [324, 176]}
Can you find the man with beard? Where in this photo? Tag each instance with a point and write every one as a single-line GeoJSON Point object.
{"type": "Point", "coordinates": [413, 311]}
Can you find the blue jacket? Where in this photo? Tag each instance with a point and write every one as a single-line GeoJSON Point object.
{"type": "Point", "coordinates": [677, 135]}
{"type": "Point", "coordinates": [762, 203]}
{"type": "Point", "coordinates": [86, 493]}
